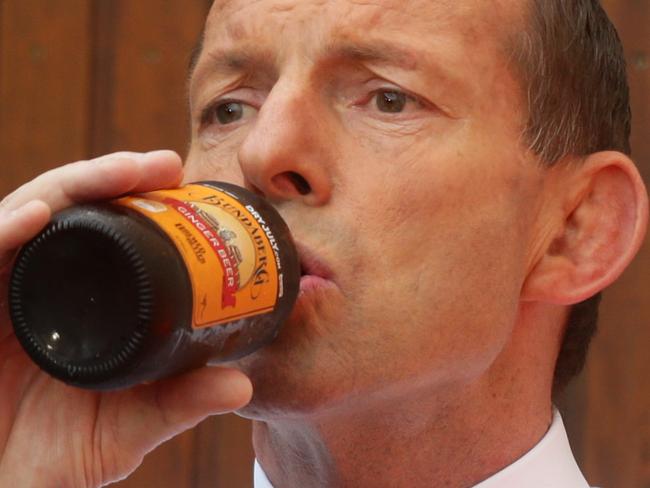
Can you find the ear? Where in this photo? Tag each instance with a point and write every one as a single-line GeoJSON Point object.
{"type": "Point", "coordinates": [604, 219]}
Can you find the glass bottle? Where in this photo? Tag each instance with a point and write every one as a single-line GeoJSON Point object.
{"type": "Point", "coordinates": [116, 293]}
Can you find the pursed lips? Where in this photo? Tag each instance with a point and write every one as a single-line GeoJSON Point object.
{"type": "Point", "coordinates": [314, 271]}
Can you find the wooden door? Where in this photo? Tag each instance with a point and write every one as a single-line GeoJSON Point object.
{"type": "Point", "coordinates": [608, 408]}
{"type": "Point", "coordinates": [79, 78]}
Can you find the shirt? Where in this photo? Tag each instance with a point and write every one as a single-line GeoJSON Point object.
{"type": "Point", "coordinates": [550, 464]}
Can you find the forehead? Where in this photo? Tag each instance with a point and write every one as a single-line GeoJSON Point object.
{"type": "Point", "coordinates": [458, 46]}
{"type": "Point", "coordinates": [471, 21]}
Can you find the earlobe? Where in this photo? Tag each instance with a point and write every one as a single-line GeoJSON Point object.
{"type": "Point", "coordinates": [604, 222]}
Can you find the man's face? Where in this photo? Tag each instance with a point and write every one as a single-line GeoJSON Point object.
{"type": "Point", "coordinates": [404, 120]}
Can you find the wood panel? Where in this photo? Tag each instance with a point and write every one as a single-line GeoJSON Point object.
{"type": "Point", "coordinates": [141, 72]}
{"type": "Point", "coordinates": [84, 77]}
{"type": "Point", "coordinates": [140, 103]}
{"type": "Point", "coordinates": [618, 425]}
{"type": "Point", "coordinates": [79, 78]}
{"type": "Point", "coordinates": [44, 86]}
{"type": "Point", "coordinates": [608, 408]}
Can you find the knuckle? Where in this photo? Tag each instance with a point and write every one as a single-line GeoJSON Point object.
{"type": "Point", "coordinates": [6, 201]}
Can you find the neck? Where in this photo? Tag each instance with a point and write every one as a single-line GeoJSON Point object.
{"type": "Point", "coordinates": [450, 436]}
{"type": "Point", "coordinates": [454, 444]}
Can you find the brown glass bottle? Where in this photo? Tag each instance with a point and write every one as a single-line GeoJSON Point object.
{"type": "Point", "coordinates": [116, 293]}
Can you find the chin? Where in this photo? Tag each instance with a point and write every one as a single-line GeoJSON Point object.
{"type": "Point", "coordinates": [300, 373]}
{"type": "Point", "coordinates": [290, 383]}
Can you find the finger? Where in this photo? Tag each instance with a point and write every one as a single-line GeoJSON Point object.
{"type": "Point", "coordinates": [20, 225]}
{"type": "Point", "coordinates": [16, 228]}
{"type": "Point", "coordinates": [16, 370]}
{"type": "Point", "coordinates": [113, 176]}
{"type": "Point", "coordinates": [171, 406]}
{"type": "Point", "coordinates": [26, 211]}
{"type": "Point", "coordinates": [105, 177]}
{"type": "Point", "coordinates": [181, 402]}
{"type": "Point", "coordinates": [160, 169]}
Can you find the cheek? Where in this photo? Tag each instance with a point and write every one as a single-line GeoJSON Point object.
{"type": "Point", "coordinates": [440, 267]}
{"type": "Point", "coordinates": [219, 163]}
{"type": "Point", "coordinates": [448, 298]}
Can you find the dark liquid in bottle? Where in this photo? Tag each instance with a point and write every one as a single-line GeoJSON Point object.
{"type": "Point", "coordinates": [116, 293]}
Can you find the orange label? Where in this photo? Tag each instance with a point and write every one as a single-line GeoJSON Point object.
{"type": "Point", "coordinates": [229, 251]}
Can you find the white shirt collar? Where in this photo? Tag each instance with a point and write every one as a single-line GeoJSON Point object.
{"type": "Point", "coordinates": [259, 477]}
{"type": "Point", "coordinates": [550, 464]}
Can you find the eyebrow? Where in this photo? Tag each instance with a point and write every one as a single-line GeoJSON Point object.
{"type": "Point", "coordinates": [231, 61]}
{"type": "Point", "coordinates": [195, 54]}
{"type": "Point", "coordinates": [249, 57]}
{"type": "Point", "coordinates": [243, 58]}
{"type": "Point", "coordinates": [374, 52]}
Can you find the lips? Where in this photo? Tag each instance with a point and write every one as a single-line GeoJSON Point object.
{"type": "Point", "coordinates": [314, 272]}
{"type": "Point", "coordinates": [311, 264]}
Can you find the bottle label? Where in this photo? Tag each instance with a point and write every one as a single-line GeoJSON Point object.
{"type": "Point", "coordinates": [230, 253]}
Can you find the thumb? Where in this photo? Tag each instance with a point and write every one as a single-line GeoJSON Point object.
{"type": "Point", "coordinates": [166, 408]}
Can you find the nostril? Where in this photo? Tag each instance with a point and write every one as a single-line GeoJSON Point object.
{"type": "Point", "coordinates": [288, 183]}
{"type": "Point", "coordinates": [299, 182]}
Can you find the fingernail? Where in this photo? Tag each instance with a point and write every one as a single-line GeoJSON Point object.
{"type": "Point", "coordinates": [158, 154]}
{"type": "Point", "coordinates": [113, 158]}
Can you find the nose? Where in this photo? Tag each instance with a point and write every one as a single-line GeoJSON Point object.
{"type": "Point", "coordinates": [288, 152]}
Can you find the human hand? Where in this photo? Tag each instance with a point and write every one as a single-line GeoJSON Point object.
{"type": "Point", "coordinates": [55, 435]}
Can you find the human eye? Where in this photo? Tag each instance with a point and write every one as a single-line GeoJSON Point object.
{"type": "Point", "coordinates": [225, 112]}
{"type": "Point", "coordinates": [392, 101]}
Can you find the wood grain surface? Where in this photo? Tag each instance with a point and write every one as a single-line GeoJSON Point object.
{"type": "Point", "coordinates": [79, 78]}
